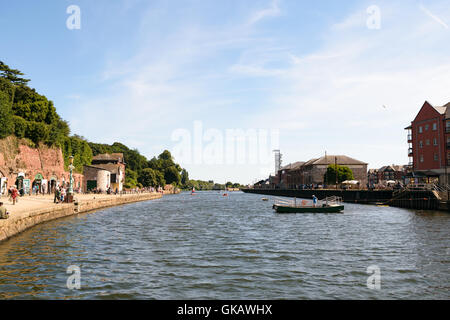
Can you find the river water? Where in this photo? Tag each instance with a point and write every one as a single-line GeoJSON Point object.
{"type": "Point", "coordinates": [209, 246]}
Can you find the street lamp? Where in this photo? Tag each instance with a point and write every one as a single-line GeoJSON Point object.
{"type": "Point", "coordinates": [71, 167]}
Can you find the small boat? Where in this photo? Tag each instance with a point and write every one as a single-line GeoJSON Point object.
{"type": "Point", "coordinates": [328, 205]}
{"type": "Point", "coordinates": [265, 199]}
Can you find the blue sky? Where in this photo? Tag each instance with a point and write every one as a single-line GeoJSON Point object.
{"type": "Point", "coordinates": [139, 70]}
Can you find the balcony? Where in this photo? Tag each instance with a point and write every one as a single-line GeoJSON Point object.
{"type": "Point", "coordinates": [409, 137]}
{"type": "Point", "coordinates": [410, 152]}
{"type": "Point", "coordinates": [447, 130]}
{"type": "Point", "coordinates": [448, 145]}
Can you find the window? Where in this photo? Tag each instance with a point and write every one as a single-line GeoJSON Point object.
{"type": "Point", "coordinates": [435, 142]}
{"type": "Point", "coordinates": [421, 144]}
{"type": "Point", "coordinates": [421, 158]}
{"type": "Point", "coordinates": [436, 157]}
{"type": "Point", "coordinates": [428, 142]}
{"type": "Point", "coordinates": [420, 129]}
{"type": "Point", "coordinates": [434, 126]}
{"type": "Point", "coordinates": [426, 127]}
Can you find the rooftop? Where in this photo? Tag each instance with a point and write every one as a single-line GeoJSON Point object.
{"type": "Point", "coordinates": [109, 157]}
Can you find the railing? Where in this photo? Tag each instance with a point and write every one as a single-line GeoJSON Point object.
{"type": "Point", "coordinates": [297, 203]}
{"type": "Point", "coordinates": [410, 151]}
{"type": "Point", "coordinates": [409, 137]}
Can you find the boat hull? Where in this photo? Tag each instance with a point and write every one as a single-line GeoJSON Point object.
{"type": "Point", "coordinates": [287, 209]}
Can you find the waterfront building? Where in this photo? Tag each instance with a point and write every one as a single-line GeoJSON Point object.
{"type": "Point", "coordinates": [106, 171]}
{"type": "Point", "coordinates": [313, 171]}
{"type": "Point", "coordinates": [290, 176]}
{"type": "Point", "coordinates": [380, 177]}
{"type": "Point", "coordinates": [429, 145]}
{"type": "Point", "coordinates": [28, 167]}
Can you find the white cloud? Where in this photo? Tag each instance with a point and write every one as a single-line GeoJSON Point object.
{"type": "Point", "coordinates": [272, 11]}
{"type": "Point", "coordinates": [434, 17]}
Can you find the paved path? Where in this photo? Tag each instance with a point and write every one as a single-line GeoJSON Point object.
{"type": "Point", "coordinates": [32, 203]}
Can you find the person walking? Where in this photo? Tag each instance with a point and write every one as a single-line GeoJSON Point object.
{"type": "Point", "coordinates": [57, 195]}
{"type": "Point", "coordinates": [14, 194]}
{"type": "Point", "coordinates": [63, 194]}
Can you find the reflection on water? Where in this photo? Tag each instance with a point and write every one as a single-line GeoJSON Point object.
{"type": "Point", "coordinates": [213, 247]}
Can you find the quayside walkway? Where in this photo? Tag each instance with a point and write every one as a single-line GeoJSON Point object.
{"type": "Point", "coordinates": [32, 210]}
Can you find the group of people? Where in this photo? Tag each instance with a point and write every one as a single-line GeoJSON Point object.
{"type": "Point", "coordinates": [60, 195]}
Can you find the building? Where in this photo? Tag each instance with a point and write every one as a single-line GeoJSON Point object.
{"type": "Point", "coordinates": [290, 177]}
{"type": "Point", "coordinates": [106, 171]}
{"type": "Point", "coordinates": [313, 171]}
{"type": "Point", "coordinates": [429, 145]}
{"type": "Point", "coordinates": [298, 174]}
{"type": "Point", "coordinates": [381, 176]}
{"type": "Point", "coordinates": [32, 169]}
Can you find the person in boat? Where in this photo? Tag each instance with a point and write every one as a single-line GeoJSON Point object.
{"type": "Point", "coordinates": [314, 200]}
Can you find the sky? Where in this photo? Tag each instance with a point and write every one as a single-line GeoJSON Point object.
{"type": "Point", "coordinates": [223, 83]}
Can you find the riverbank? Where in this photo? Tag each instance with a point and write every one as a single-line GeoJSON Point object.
{"type": "Point", "coordinates": [33, 210]}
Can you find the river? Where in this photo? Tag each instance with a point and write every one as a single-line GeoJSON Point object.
{"type": "Point", "coordinates": [209, 246]}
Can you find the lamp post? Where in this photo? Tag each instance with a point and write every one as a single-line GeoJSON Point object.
{"type": "Point", "coordinates": [71, 167]}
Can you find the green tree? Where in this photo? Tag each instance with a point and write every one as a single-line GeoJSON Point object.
{"type": "Point", "coordinates": [172, 175]}
{"type": "Point", "coordinates": [184, 177]}
{"type": "Point", "coordinates": [12, 75]}
{"type": "Point", "coordinates": [148, 178]}
{"type": "Point", "coordinates": [343, 173]}
{"type": "Point", "coordinates": [6, 116]}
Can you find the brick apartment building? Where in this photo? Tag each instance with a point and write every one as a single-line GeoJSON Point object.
{"type": "Point", "coordinates": [429, 144]}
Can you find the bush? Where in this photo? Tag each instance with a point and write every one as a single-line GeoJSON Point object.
{"type": "Point", "coordinates": [20, 127]}
{"type": "Point", "coordinates": [7, 126]}
{"type": "Point", "coordinates": [37, 131]}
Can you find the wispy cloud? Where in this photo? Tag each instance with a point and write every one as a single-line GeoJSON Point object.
{"type": "Point", "coordinates": [272, 11]}
{"type": "Point", "coordinates": [434, 17]}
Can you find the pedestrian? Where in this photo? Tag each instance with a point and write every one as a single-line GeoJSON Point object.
{"type": "Point", "coordinates": [314, 200]}
{"type": "Point", "coordinates": [14, 194]}
{"type": "Point", "coordinates": [63, 194]}
{"type": "Point", "coordinates": [57, 195]}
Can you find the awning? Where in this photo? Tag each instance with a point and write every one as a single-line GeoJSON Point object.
{"type": "Point", "coordinates": [38, 177]}
{"type": "Point", "coordinates": [21, 174]}
{"type": "Point", "coordinates": [350, 182]}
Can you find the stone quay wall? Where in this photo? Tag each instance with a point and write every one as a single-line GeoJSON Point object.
{"type": "Point", "coordinates": [21, 222]}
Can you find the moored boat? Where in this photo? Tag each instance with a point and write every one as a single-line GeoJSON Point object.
{"type": "Point", "coordinates": [328, 205]}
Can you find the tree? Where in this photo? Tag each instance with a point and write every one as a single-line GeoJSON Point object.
{"type": "Point", "coordinates": [12, 75]}
{"type": "Point", "coordinates": [172, 175]}
{"type": "Point", "coordinates": [148, 178]}
{"type": "Point", "coordinates": [6, 116]}
{"type": "Point", "coordinates": [343, 173]}
{"type": "Point", "coordinates": [184, 177]}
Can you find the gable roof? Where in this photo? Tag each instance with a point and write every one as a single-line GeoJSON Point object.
{"type": "Point", "coordinates": [109, 157]}
{"type": "Point", "coordinates": [330, 159]}
{"type": "Point", "coordinates": [293, 166]}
